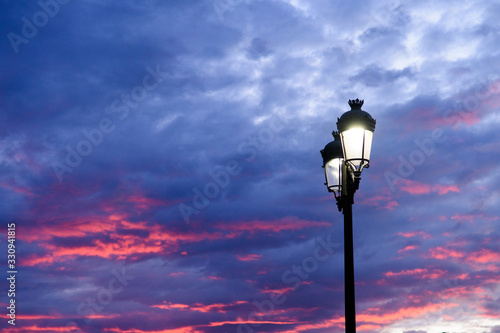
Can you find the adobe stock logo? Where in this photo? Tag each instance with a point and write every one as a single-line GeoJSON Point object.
{"type": "Point", "coordinates": [50, 8]}
{"type": "Point", "coordinates": [223, 6]}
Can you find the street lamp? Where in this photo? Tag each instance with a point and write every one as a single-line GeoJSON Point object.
{"type": "Point", "coordinates": [332, 163]}
{"type": "Point", "coordinates": [343, 160]}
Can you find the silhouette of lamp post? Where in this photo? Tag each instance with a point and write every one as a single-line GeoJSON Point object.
{"type": "Point", "coordinates": [343, 160]}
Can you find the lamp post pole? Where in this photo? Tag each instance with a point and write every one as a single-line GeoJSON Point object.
{"type": "Point", "coordinates": [343, 160]}
{"type": "Point", "coordinates": [345, 202]}
{"type": "Point", "coordinates": [350, 304]}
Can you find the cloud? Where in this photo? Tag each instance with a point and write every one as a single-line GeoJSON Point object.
{"type": "Point", "coordinates": [231, 71]}
{"type": "Point", "coordinates": [374, 76]}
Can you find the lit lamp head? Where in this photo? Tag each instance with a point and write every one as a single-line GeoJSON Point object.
{"type": "Point", "coordinates": [332, 163]}
{"type": "Point", "coordinates": [356, 129]}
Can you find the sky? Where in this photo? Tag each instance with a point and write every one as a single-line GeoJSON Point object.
{"type": "Point", "coordinates": [160, 161]}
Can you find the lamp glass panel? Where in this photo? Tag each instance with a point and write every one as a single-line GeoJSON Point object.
{"type": "Point", "coordinates": [368, 144]}
{"type": "Point", "coordinates": [333, 172]}
{"type": "Point", "coordinates": [356, 144]}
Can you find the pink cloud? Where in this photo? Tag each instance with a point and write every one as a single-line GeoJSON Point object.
{"type": "Point", "coordinates": [185, 329]}
{"type": "Point", "coordinates": [216, 307]}
{"type": "Point", "coordinates": [159, 240]}
{"type": "Point", "coordinates": [214, 278]}
{"type": "Point", "coordinates": [415, 188]}
{"type": "Point", "coordinates": [277, 291]}
{"type": "Point", "coordinates": [145, 203]}
{"type": "Point", "coordinates": [483, 259]}
{"type": "Point", "coordinates": [36, 328]}
{"type": "Point", "coordinates": [463, 218]}
{"type": "Point", "coordinates": [290, 223]}
{"type": "Point", "coordinates": [14, 187]}
{"type": "Point", "coordinates": [408, 248]}
{"type": "Point", "coordinates": [380, 201]}
{"type": "Point", "coordinates": [414, 234]}
{"type": "Point", "coordinates": [424, 273]}
{"type": "Point", "coordinates": [443, 189]}
{"type": "Point", "coordinates": [373, 316]}
{"type": "Point", "coordinates": [485, 256]}
{"type": "Point", "coordinates": [249, 257]}
{"type": "Point", "coordinates": [444, 253]}
{"type": "Point", "coordinates": [471, 217]}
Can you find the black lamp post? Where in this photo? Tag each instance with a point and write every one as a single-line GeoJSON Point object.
{"type": "Point", "coordinates": [343, 160]}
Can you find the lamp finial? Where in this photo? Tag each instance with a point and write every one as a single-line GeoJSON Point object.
{"type": "Point", "coordinates": [356, 103]}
